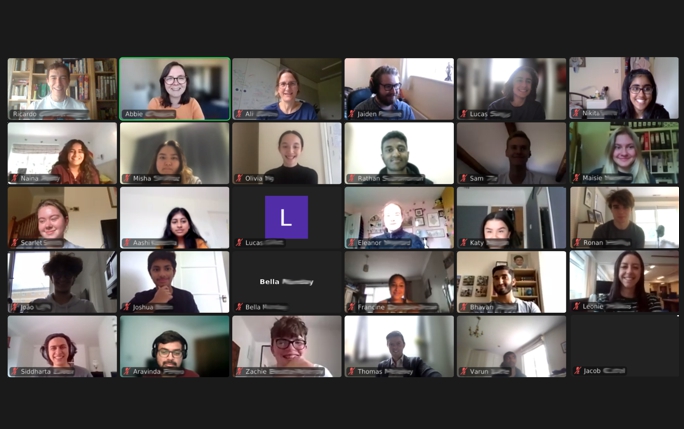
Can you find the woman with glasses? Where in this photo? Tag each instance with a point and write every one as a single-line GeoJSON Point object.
{"type": "Point", "coordinates": [520, 97]}
{"type": "Point", "coordinates": [288, 108]}
{"type": "Point", "coordinates": [175, 94]}
{"type": "Point", "coordinates": [639, 94]}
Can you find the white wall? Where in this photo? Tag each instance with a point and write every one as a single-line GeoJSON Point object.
{"type": "Point", "coordinates": [330, 99]}
{"type": "Point", "coordinates": [144, 210]}
{"type": "Point", "coordinates": [324, 344]}
{"type": "Point", "coordinates": [436, 273]}
{"type": "Point", "coordinates": [666, 75]}
{"type": "Point", "coordinates": [139, 332]}
{"type": "Point", "coordinates": [92, 279]}
{"type": "Point", "coordinates": [109, 352]}
{"type": "Point", "coordinates": [430, 146]}
{"type": "Point", "coordinates": [312, 155]}
{"type": "Point", "coordinates": [554, 266]}
{"type": "Point", "coordinates": [599, 72]}
{"type": "Point", "coordinates": [433, 98]}
{"type": "Point", "coordinates": [554, 352]}
{"type": "Point", "coordinates": [84, 225]}
{"type": "Point", "coordinates": [440, 336]}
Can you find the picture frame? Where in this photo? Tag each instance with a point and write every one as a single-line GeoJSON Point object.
{"type": "Point", "coordinates": [591, 216]}
{"type": "Point", "coordinates": [428, 288]}
{"type": "Point", "coordinates": [482, 281]}
{"type": "Point", "coordinates": [588, 197]}
{"type": "Point", "coordinates": [440, 213]}
{"type": "Point", "coordinates": [466, 292]}
{"type": "Point", "coordinates": [433, 219]}
{"type": "Point", "coordinates": [419, 212]}
{"type": "Point", "coordinates": [513, 264]}
{"type": "Point", "coordinates": [99, 66]}
{"type": "Point", "coordinates": [564, 346]}
{"type": "Point", "coordinates": [265, 357]}
{"type": "Point", "coordinates": [481, 291]}
{"type": "Point", "coordinates": [448, 261]}
{"type": "Point", "coordinates": [468, 280]}
{"type": "Point", "coordinates": [500, 263]}
{"type": "Point", "coordinates": [435, 233]}
{"type": "Point", "coordinates": [599, 217]}
{"type": "Point", "coordinates": [420, 221]}
{"type": "Point", "coordinates": [113, 196]}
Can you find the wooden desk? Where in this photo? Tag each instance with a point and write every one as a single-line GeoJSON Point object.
{"type": "Point", "coordinates": [671, 305]}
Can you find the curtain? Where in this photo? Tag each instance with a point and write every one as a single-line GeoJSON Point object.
{"type": "Point", "coordinates": [405, 73]}
{"type": "Point", "coordinates": [42, 149]}
{"type": "Point", "coordinates": [539, 341]}
{"type": "Point", "coordinates": [590, 267]}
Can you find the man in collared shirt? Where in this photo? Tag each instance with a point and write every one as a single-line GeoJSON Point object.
{"type": "Point", "coordinates": [412, 366]}
{"type": "Point", "coordinates": [518, 153]}
{"type": "Point", "coordinates": [385, 85]}
{"type": "Point", "coordinates": [503, 278]}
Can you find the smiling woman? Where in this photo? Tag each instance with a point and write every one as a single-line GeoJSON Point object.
{"type": "Point", "coordinates": [75, 165]}
{"type": "Point", "coordinates": [174, 84]}
{"type": "Point", "coordinates": [290, 146]}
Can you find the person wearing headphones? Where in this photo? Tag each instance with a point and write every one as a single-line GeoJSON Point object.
{"type": "Point", "coordinates": [416, 365]}
{"type": "Point", "coordinates": [518, 153]}
{"type": "Point", "coordinates": [169, 350]}
{"type": "Point", "coordinates": [386, 88]}
{"type": "Point", "coordinates": [59, 351]}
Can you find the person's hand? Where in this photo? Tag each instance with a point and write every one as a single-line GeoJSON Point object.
{"type": "Point", "coordinates": [162, 296]}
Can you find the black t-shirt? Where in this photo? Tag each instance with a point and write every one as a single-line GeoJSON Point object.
{"type": "Point", "coordinates": [530, 111]}
{"type": "Point", "coordinates": [297, 175]}
{"type": "Point", "coordinates": [182, 301]}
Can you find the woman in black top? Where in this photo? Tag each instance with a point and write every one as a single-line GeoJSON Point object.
{"type": "Point", "coordinates": [628, 289]}
{"type": "Point", "coordinates": [520, 95]}
{"type": "Point", "coordinates": [499, 232]}
{"type": "Point", "coordinates": [639, 94]}
{"type": "Point", "coordinates": [290, 146]}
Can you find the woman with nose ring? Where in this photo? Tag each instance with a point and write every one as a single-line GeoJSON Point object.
{"type": "Point", "coordinates": [628, 291]}
{"type": "Point", "coordinates": [397, 287]}
{"type": "Point", "coordinates": [291, 146]}
{"type": "Point", "coordinates": [174, 84]}
{"type": "Point", "coordinates": [75, 165]}
{"type": "Point", "coordinates": [623, 158]}
{"type": "Point", "coordinates": [519, 97]}
{"type": "Point", "coordinates": [53, 219]}
{"type": "Point", "coordinates": [169, 160]}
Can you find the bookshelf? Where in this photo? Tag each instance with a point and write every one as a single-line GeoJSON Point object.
{"type": "Point", "coordinates": [94, 82]}
{"type": "Point", "coordinates": [659, 146]}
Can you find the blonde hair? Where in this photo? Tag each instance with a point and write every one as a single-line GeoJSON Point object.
{"type": "Point", "coordinates": [639, 171]}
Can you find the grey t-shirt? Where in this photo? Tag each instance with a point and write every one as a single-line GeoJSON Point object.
{"type": "Point", "coordinates": [519, 306]}
{"type": "Point", "coordinates": [608, 231]}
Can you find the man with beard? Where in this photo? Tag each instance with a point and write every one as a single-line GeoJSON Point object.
{"type": "Point", "coordinates": [169, 350]}
{"type": "Point", "coordinates": [385, 86]}
{"type": "Point", "coordinates": [395, 155]}
{"type": "Point", "coordinates": [509, 362]}
{"type": "Point", "coordinates": [518, 153]}
{"type": "Point", "coordinates": [503, 278]}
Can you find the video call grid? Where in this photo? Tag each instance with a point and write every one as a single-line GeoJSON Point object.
{"type": "Point", "coordinates": [343, 122]}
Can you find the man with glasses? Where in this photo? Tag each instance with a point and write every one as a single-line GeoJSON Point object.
{"type": "Point", "coordinates": [62, 270]}
{"type": "Point", "coordinates": [169, 349]}
{"type": "Point", "coordinates": [289, 345]}
{"type": "Point", "coordinates": [58, 80]}
{"type": "Point", "coordinates": [384, 104]}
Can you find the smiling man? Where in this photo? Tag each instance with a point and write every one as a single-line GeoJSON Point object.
{"type": "Point", "coordinates": [164, 298]}
{"type": "Point", "coordinates": [63, 270]}
{"type": "Point", "coordinates": [289, 344]}
{"type": "Point", "coordinates": [58, 79]}
{"type": "Point", "coordinates": [395, 155]}
{"type": "Point", "coordinates": [518, 153]}
{"type": "Point", "coordinates": [59, 351]}
{"type": "Point", "coordinates": [409, 366]}
{"type": "Point", "coordinates": [386, 88]}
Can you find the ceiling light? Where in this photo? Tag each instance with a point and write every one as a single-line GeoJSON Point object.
{"type": "Point", "coordinates": [646, 272]}
{"type": "Point", "coordinates": [660, 278]}
{"type": "Point", "coordinates": [650, 267]}
{"type": "Point", "coordinates": [365, 267]}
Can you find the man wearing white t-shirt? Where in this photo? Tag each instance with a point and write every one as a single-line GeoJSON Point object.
{"type": "Point", "coordinates": [59, 79]}
{"type": "Point", "coordinates": [518, 153]}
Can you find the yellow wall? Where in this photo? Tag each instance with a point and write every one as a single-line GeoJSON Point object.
{"type": "Point", "coordinates": [448, 204]}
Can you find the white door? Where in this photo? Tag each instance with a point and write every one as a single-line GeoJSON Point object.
{"type": "Point", "coordinates": [220, 226]}
{"type": "Point", "coordinates": [204, 275]}
{"type": "Point", "coordinates": [352, 226]}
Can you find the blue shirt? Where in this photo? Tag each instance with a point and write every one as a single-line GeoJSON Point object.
{"type": "Point", "coordinates": [305, 113]}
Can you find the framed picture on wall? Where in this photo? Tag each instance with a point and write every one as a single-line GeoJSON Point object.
{"type": "Point", "coordinates": [588, 197]}
{"type": "Point", "coordinates": [433, 219]}
{"type": "Point", "coordinates": [519, 261]}
{"type": "Point", "coordinates": [419, 212]}
{"type": "Point", "coordinates": [113, 196]}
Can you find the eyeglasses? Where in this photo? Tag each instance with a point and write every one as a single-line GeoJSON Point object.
{"type": "Point", "coordinates": [283, 344]}
{"type": "Point", "coordinates": [389, 87]}
{"type": "Point", "coordinates": [635, 89]}
{"type": "Point", "coordinates": [175, 353]}
{"type": "Point", "coordinates": [179, 79]}
{"type": "Point", "coordinates": [286, 84]}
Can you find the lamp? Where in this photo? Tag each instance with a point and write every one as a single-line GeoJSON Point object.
{"type": "Point", "coordinates": [423, 234]}
{"type": "Point", "coordinates": [477, 333]}
{"type": "Point", "coordinates": [365, 267]}
{"type": "Point", "coordinates": [96, 365]}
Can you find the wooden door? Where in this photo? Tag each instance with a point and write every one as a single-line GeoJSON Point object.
{"type": "Point", "coordinates": [235, 357]}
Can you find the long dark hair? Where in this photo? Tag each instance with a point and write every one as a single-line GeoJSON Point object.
{"type": "Point", "coordinates": [190, 238]}
{"type": "Point", "coordinates": [508, 86]}
{"type": "Point", "coordinates": [183, 169]}
{"type": "Point", "coordinates": [87, 166]}
{"type": "Point", "coordinates": [165, 99]}
{"type": "Point", "coordinates": [514, 241]}
{"type": "Point", "coordinates": [626, 108]}
{"type": "Point", "coordinates": [640, 288]}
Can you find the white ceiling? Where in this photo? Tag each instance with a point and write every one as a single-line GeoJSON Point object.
{"type": "Point", "coordinates": [131, 131]}
{"type": "Point", "coordinates": [34, 329]}
{"type": "Point", "coordinates": [504, 333]}
{"type": "Point", "coordinates": [57, 132]}
{"type": "Point", "coordinates": [315, 69]}
{"type": "Point", "coordinates": [486, 142]}
{"type": "Point", "coordinates": [204, 193]}
{"type": "Point", "coordinates": [260, 326]}
{"type": "Point", "coordinates": [661, 192]}
{"type": "Point", "coordinates": [666, 263]}
{"type": "Point", "coordinates": [357, 198]}
{"type": "Point", "coordinates": [382, 265]}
